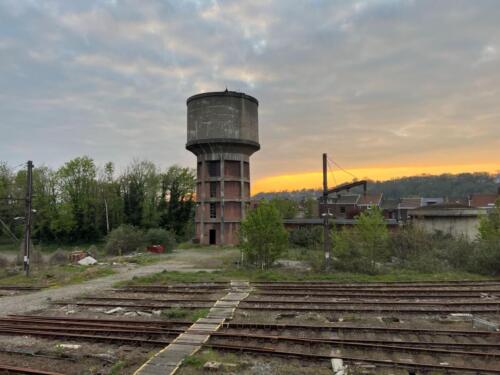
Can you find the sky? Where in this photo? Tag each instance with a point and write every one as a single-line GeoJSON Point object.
{"type": "Point", "coordinates": [387, 88]}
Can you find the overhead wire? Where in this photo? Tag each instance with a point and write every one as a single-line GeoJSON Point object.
{"type": "Point", "coordinates": [331, 172]}
{"type": "Point", "coordinates": [340, 167]}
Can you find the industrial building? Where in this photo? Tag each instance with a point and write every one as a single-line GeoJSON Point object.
{"type": "Point", "coordinates": [223, 132]}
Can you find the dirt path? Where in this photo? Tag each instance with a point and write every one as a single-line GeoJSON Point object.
{"type": "Point", "coordinates": [38, 300]}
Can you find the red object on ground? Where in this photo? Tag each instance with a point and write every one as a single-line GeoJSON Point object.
{"type": "Point", "coordinates": [75, 256]}
{"type": "Point", "coordinates": [157, 249]}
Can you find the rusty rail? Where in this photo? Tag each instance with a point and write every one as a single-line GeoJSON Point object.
{"type": "Point", "coordinates": [26, 370]}
{"type": "Point", "coordinates": [311, 356]}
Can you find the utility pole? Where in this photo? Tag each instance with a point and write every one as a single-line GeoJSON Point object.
{"type": "Point", "coordinates": [27, 218]}
{"type": "Point", "coordinates": [107, 215]}
{"type": "Point", "coordinates": [326, 214]}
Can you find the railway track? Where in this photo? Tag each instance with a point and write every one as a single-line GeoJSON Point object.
{"type": "Point", "coordinates": [373, 294]}
{"type": "Point", "coordinates": [380, 283]}
{"type": "Point", "coordinates": [25, 370]}
{"type": "Point", "coordinates": [233, 337]}
{"type": "Point", "coordinates": [20, 288]}
{"type": "Point", "coordinates": [389, 330]}
{"type": "Point", "coordinates": [275, 306]}
{"type": "Point", "coordinates": [269, 350]}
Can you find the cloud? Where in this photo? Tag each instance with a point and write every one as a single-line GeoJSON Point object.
{"type": "Point", "coordinates": [387, 82]}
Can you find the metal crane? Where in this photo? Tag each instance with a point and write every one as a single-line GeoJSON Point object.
{"type": "Point", "coordinates": [326, 215]}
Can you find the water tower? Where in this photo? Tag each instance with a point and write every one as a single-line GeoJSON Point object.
{"type": "Point", "coordinates": [222, 131]}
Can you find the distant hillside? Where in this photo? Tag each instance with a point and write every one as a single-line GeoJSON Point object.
{"type": "Point", "coordinates": [445, 185]}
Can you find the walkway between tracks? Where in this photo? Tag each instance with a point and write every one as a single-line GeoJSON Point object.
{"type": "Point", "coordinates": [168, 360]}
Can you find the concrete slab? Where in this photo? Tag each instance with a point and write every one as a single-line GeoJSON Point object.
{"type": "Point", "coordinates": [168, 360]}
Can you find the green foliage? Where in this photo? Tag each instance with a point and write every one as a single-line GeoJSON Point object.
{"type": "Point", "coordinates": [79, 201]}
{"type": "Point", "coordinates": [263, 236]}
{"type": "Point", "coordinates": [488, 257]}
{"type": "Point", "coordinates": [287, 208]}
{"type": "Point", "coordinates": [157, 236]}
{"type": "Point", "coordinates": [117, 368]}
{"type": "Point", "coordinates": [310, 205]}
{"type": "Point", "coordinates": [187, 314]}
{"type": "Point", "coordinates": [4, 262]}
{"type": "Point", "coordinates": [124, 240]}
{"type": "Point", "coordinates": [78, 188]}
{"type": "Point", "coordinates": [308, 237]}
{"type": "Point", "coordinates": [358, 249]}
{"type": "Point", "coordinates": [489, 226]}
{"type": "Point", "coordinates": [177, 212]}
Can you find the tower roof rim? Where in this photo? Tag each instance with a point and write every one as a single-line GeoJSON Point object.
{"type": "Point", "coordinates": [235, 94]}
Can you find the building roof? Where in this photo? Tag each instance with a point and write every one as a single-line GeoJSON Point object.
{"type": "Point", "coordinates": [346, 199]}
{"type": "Point", "coordinates": [447, 210]}
{"type": "Point", "coordinates": [338, 221]}
{"type": "Point", "coordinates": [460, 200]}
{"type": "Point", "coordinates": [483, 200]}
{"type": "Point", "coordinates": [370, 199]}
{"type": "Point", "coordinates": [431, 201]}
{"type": "Point", "coordinates": [410, 203]}
{"type": "Point", "coordinates": [389, 204]}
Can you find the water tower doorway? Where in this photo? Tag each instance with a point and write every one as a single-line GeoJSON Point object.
{"type": "Point", "coordinates": [211, 235]}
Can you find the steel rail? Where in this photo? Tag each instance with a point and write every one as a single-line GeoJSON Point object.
{"type": "Point", "coordinates": [139, 306]}
{"type": "Point", "coordinates": [372, 303]}
{"type": "Point", "coordinates": [89, 329]}
{"type": "Point", "coordinates": [52, 323]}
{"type": "Point", "coordinates": [176, 287]}
{"type": "Point", "coordinates": [125, 321]}
{"type": "Point", "coordinates": [150, 299]}
{"type": "Point", "coordinates": [377, 283]}
{"type": "Point", "coordinates": [312, 356]}
{"type": "Point", "coordinates": [145, 290]}
{"type": "Point", "coordinates": [85, 337]}
{"type": "Point", "coordinates": [369, 295]}
{"type": "Point", "coordinates": [242, 306]}
{"type": "Point", "coordinates": [438, 309]}
{"type": "Point", "coordinates": [378, 290]}
{"type": "Point", "coordinates": [274, 301]}
{"type": "Point", "coordinates": [20, 287]}
{"type": "Point", "coordinates": [232, 325]}
{"type": "Point", "coordinates": [307, 340]}
{"type": "Point", "coordinates": [424, 331]}
{"type": "Point", "coordinates": [405, 346]}
{"type": "Point", "coordinates": [26, 370]}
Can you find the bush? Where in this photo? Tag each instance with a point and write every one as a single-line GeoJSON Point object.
{"type": "Point", "coordinates": [310, 238]}
{"type": "Point", "coordinates": [488, 257]}
{"type": "Point", "coordinates": [358, 249]}
{"type": "Point", "coordinates": [160, 236]}
{"type": "Point", "coordinates": [263, 236]}
{"type": "Point", "coordinates": [58, 257]}
{"type": "Point", "coordinates": [4, 262]}
{"type": "Point", "coordinates": [124, 240]}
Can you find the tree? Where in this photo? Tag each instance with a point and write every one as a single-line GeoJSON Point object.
{"type": "Point", "coordinates": [489, 226]}
{"type": "Point", "coordinates": [373, 234]}
{"type": "Point", "coordinates": [177, 204]}
{"type": "Point", "coordinates": [288, 208]}
{"type": "Point", "coordinates": [359, 248]}
{"type": "Point", "coordinates": [140, 193]}
{"type": "Point", "coordinates": [263, 236]}
{"type": "Point", "coordinates": [78, 189]}
{"type": "Point", "coordinates": [310, 205]}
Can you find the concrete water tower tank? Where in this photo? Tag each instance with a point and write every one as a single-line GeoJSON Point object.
{"type": "Point", "coordinates": [222, 131]}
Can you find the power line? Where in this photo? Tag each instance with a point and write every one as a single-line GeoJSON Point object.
{"type": "Point", "coordinates": [349, 173]}
{"type": "Point", "coordinates": [17, 166]}
{"type": "Point", "coordinates": [331, 172]}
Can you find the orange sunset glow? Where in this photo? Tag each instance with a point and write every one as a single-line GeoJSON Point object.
{"type": "Point", "coordinates": [313, 180]}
